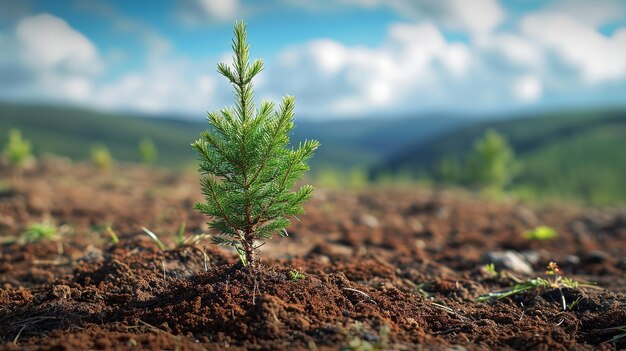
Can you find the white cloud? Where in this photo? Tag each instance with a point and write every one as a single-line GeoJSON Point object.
{"type": "Point", "coordinates": [597, 57]}
{"type": "Point", "coordinates": [47, 59]}
{"type": "Point", "coordinates": [203, 12]}
{"type": "Point", "coordinates": [334, 78]}
{"type": "Point", "coordinates": [49, 43]}
{"type": "Point", "coordinates": [594, 13]}
{"type": "Point", "coordinates": [169, 86]}
{"type": "Point", "coordinates": [528, 88]}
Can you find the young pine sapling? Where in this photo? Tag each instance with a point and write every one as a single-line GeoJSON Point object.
{"type": "Point", "coordinates": [248, 169]}
{"type": "Point", "coordinates": [18, 151]}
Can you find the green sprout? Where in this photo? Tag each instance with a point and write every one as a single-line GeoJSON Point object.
{"type": "Point", "coordinates": [296, 275]}
{"type": "Point", "coordinates": [538, 285]}
{"type": "Point", "coordinates": [491, 270]}
{"type": "Point", "coordinates": [112, 234]}
{"type": "Point", "coordinates": [248, 169]}
{"type": "Point", "coordinates": [147, 151]}
{"type": "Point", "coordinates": [17, 150]}
{"type": "Point", "coordinates": [101, 157]}
{"type": "Point", "coordinates": [37, 232]}
{"type": "Point", "coordinates": [181, 238]}
{"type": "Point", "coordinates": [542, 232]}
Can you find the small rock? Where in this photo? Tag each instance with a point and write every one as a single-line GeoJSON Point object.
{"type": "Point", "coordinates": [416, 225]}
{"type": "Point", "coordinates": [531, 256]}
{"type": "Point", "coordinates": [420, 244]}
{"type": "Point", "coordinates": [368, 220]}
{"type": "Point", "coordinates": [510, 260]}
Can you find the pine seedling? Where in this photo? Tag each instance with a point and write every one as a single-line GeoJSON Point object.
{"type": "Point", "coordinates": [248, 168]}
{"type": "Point", "coordinates": [17, 150]}
{"type": "Point", "coordinates": [147, 151]}
{"type": "Point", "coordinates": [101, 157]}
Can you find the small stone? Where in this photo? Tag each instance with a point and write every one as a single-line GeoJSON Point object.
{"type": "Point", "coordinates": [416, 225]}
{"type": "Point", "coordinates": [369, 220]}
{"type": "Point", "coordinates": [531, 256]}
{"type": "Point", "coordinates": [510, 260]}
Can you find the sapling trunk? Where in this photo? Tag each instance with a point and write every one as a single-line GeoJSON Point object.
{"type": "Point", "coordinates": [248, 168]}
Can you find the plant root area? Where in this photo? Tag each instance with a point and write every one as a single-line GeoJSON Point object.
{"type": "Point", "coordinates": [383, 269]}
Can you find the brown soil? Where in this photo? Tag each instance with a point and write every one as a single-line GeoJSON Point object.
{"type": "Point", "coordinates": [403, 265]}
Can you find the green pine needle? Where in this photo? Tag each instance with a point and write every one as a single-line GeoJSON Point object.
{"type": "Point", "coordinates": [247, 165]}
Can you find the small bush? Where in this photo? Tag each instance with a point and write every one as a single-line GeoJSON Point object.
{"type": "Point", "coordinates": [17, 150]}
{"type": "Point", "coordinates": [147, 151]}
{"type": "Point", "coordinates": [101, 157]}
{"type": "Point", "coordinates": [491, 164]}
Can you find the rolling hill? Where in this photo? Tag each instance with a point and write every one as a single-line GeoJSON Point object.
{"type": "Point", "coordinates": [580, 155]}
{"type": "Point", "coordinates": [72, 131]}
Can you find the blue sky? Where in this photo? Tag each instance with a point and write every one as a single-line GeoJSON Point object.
{"type": "Point", "coordinates": [340, 58]}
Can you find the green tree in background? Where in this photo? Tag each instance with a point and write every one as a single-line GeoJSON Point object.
{"type": "Point", "coordinates": [247, 167]}
{"type": "Point", "coordinates": [449, 171]}
{"type": "Point", "coordinates": [17, 149]}
{"type": "Point", "coordinates": [147, 151]}
{"type": "Point", "coordinates": [101, 157]}
{"type": "Point", "coordinates": [491, 164]}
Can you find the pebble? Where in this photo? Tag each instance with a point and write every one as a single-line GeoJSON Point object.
{"type": "Point", "coordinates": [369, 221]}
{"type": "Point", "coordinates": [511, 260]}
{"type": "Point", "coordinates": [531, 256]}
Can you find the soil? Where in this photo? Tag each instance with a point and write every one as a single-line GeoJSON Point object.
{"type": "Point", "coordinates": [388, 269]}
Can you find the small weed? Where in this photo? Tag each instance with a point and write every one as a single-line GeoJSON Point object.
{"type": "Point", "coordinates": [181, 238]}
{"type": "Point", "coordinates": [542, 232]}
{"type": "Point", "coordinates": [556, 281]}
{"type": "Point", "coordinates": [154, 238]}
{"type": "Point", "coordinates": [43, 231]}
{"type": "Point", "coordinates": [296, 275]}
{"type": "Point", "coordinates": [17, 150]}
{"type": "Point", "coordinates": [114, 238]}
{"type": "Point", "coordinates": [490, 269]}
{"type": "Point", "coordinates": [620, 335]}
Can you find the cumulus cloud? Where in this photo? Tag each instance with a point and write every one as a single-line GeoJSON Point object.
{"type": "Point", "coordinates": [337, 79]}
{"type": "Point", "coordinates": [171, 86]}
{"type": "Point", "coordinates": [527, 88]}
{"type": "Point", "coordinates": [597, 57]}
{"type": "Point", "coordinates": [48, 59]}
{"type": "Point", "coordinates": [203, 12]}
{"type": "Point", "coordinates": [475, 16]}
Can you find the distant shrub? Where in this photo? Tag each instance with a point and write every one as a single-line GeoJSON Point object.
{"type": "Point", "coordinates": [357, 178]}
{"type": "Point", "coordinates": [491, 164]}
{"type": "Point", "coordinates": [17, 150]}
{"type": "Point", "coordinates": [101, 157]}
{"type": "Point", "coordinates": [147, 151]}
{"type": "Point", "coordinates": [328, 177]}
{"type": "Point", "coordinates": [449, 171]}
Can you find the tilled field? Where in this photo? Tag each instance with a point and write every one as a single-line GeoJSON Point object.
{"type": "Point", "coordinates": [384, 269]}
